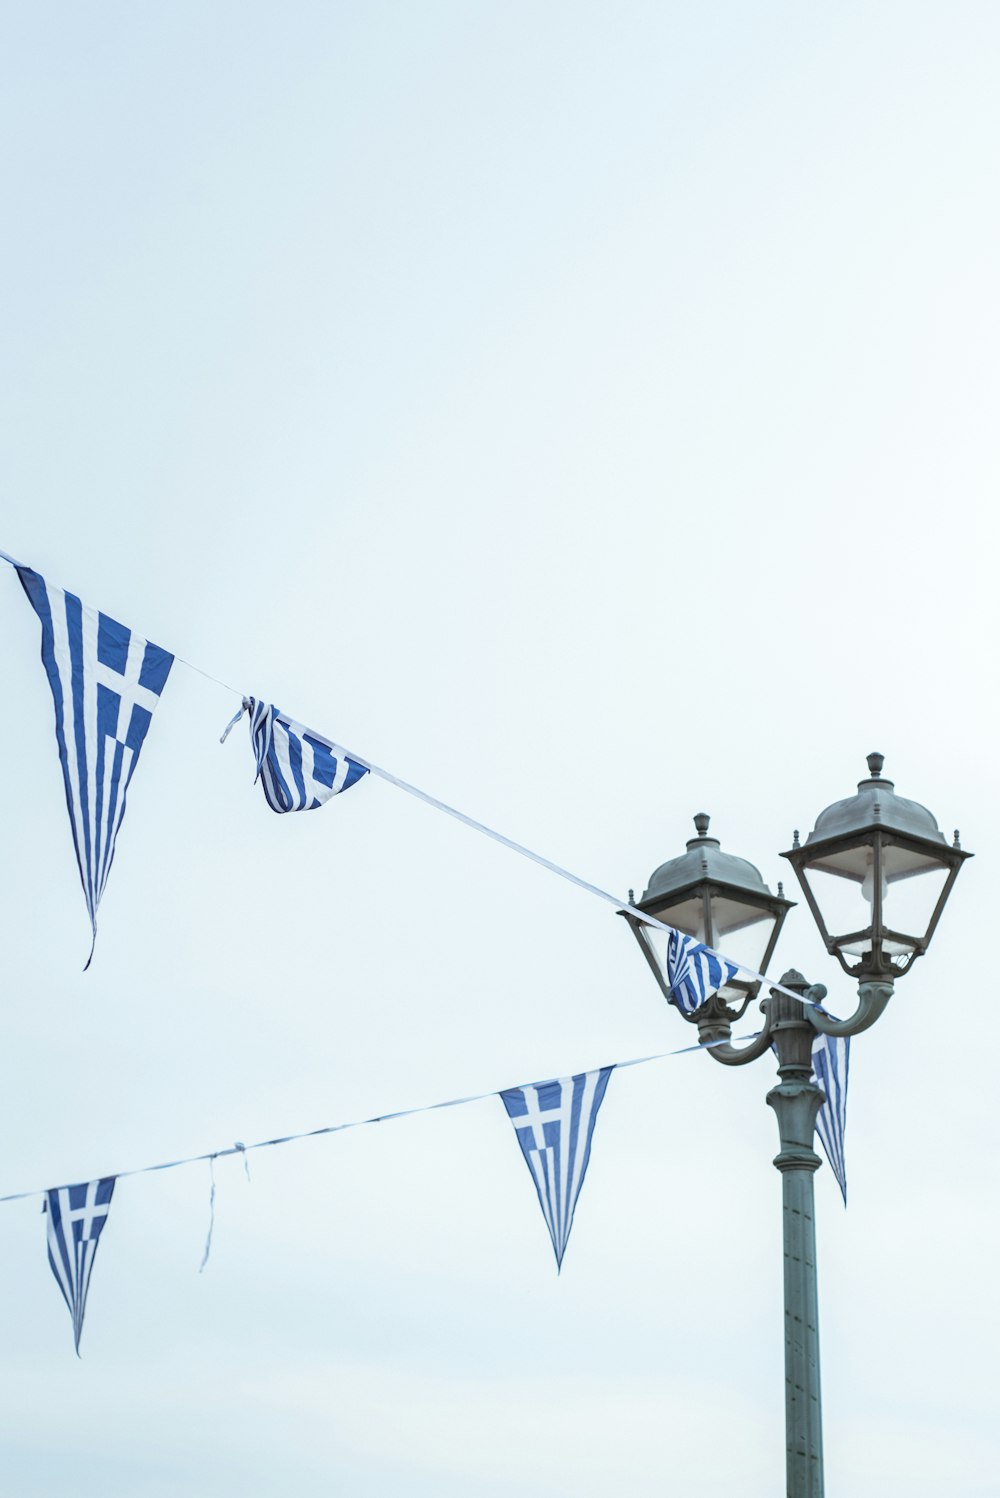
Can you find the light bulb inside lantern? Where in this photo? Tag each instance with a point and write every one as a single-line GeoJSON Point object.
{"type": "Point", "coordinates": [868, 885]}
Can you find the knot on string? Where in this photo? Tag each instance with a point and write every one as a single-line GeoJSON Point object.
{"type": "Point", "coordinates": [241, 1148]}
{"type": "Point", "coordinates": [244, 708]}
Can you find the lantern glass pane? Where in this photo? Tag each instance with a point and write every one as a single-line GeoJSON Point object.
{"type": "Point", "coordinates": [656, 941]}
{"type": "Point", "coordinates": [909, 900]}
{"type": "Point", "coordinates": [746, 941]}
{"type": "Point", "coordinates": [688, 916]}
{"type": "Point", "coordinates": [841, 900]}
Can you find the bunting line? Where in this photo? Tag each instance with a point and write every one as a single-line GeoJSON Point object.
{"type": "Point", "coordinates": [239, 1148]}
{"type": "Point", "coordinates": [621, 906]}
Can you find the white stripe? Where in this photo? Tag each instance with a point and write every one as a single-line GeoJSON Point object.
{"type": "Point", "coordinates": [128, 764]}
{"type": "Point", "coordinates": [60, 645]}
{"type": "Point", "coordinates": [54, 1236]}
{"type": "Point", "coordinates": [586, 1109]}
{"type": "Point", "coordinates": [565, 1126]}
{"type": "Point", "coordinates": [545, 1175]}
{"type": "Point", "coordinates": [89, 631]}
{"type": "Point", "coordinates": [308, 770]}
{"type": "Point", "coordinates": [85, 1263]}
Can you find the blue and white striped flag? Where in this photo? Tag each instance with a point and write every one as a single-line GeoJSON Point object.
{"type": "Point", "coordinates": [105, 684]}
{"type": "Point", "coordinates": [297, 768]}
{"type": "Point", "coordinates": [831, 1059]}
{"type": "Point", "coordinates": [555, 1125]}
{"type": "Point", "coordinates": [694, 973]}
{"type": "Point", "coordinates": [76, 1218]}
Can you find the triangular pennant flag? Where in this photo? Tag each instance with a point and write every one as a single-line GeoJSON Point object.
{"type": "Point", "coordinates": [76, 1217]}
{"type": "Point", "coordinates": [555, 1125]}
{"type": "Point", "coordinates": [105, 683]}
{"type": "Point", "coordinates": [694, 973]}
{"type": "Point", "coordinates": [831, 1058]}
{"type": "Point", "coordinates": [298, 769]}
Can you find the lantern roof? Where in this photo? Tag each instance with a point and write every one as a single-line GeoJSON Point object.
{"type": "Point", "coordinates": [703, 861]}
{"type": "Point", "coordinates": [876, 806]}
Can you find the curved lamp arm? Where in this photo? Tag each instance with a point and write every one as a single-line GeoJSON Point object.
{"type": "Point", "coordinates": [729, 1055]}
{"type": "Point", "coordinates": [873, 999]}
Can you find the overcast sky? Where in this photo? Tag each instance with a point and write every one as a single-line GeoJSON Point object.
{"type": "Point", "coordinates": [588, 412]}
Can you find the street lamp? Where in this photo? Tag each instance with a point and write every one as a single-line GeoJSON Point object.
{"type": "Point", "coordinates": [720, 900]}
{"type": "Point", "coordinates": [853, 862]}
{"type": "Point", "coordinates": [870, 859]}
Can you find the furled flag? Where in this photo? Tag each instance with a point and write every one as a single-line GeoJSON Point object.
{"type": "Point", "coordinates": [831, 1058]}
{"type": "Point", "coordinates": [105, 683]}
{"type": "Point", "coordinates": [694, 973]}
{"type": "Point", "coordinates": [76, 1217]}
{"type": "Point", "coordinates": [555, 1125]}
{"type": "Point", "coordinates": [298, 769]}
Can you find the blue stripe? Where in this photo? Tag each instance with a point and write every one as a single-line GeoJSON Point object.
{"type": "Point", "coordinates": [34, 587]}
{"type": "Point", "coordinates": [112, 643]}
{"type": "Point", "coordinates": [74, 627]}
{"type": "Point", "coordinates": [156, 666]}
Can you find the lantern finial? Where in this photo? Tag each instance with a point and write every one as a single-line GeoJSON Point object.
{"type": "Point", "coordinates": [875, 763]}
{"type": "Point", "coordinates": [701, 822]}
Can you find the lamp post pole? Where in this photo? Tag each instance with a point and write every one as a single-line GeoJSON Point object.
{"type": "Point", "coordinates": [796, 1100]}
{"type": "Point", "coordinates": [790, 1027]}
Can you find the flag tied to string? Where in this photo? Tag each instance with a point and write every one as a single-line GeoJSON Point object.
{"type": "Point", "coordinates": [76, 1217]}
{"type": "Point", "coordinates": [831, 1059]}
{"type": "Point", "coordinates": [298, 769]}
{"type": "Point", "coordinates": [694, 972]}
{"type": "Point", "coordinates": [106, 683]}
{"type": "Point", "coordinates": [555, 1122]}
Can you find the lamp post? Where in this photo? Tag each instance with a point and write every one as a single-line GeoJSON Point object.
{"type": "Point", "coordinates": [871, 859]}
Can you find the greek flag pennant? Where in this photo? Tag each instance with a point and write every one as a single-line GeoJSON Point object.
{"type": "Point", "coordinates": [694, 973]}
{"type": "Point", "coordinates": [554, 1122]}
{"type": "Point", "coordinates": [76, 1217]}
{"type": "Point", "coordinates": [105, 683]}
{"type": "Point", "coordinates": [298, 769]}
{"type": "Point", "coordinates": [831, 1058]}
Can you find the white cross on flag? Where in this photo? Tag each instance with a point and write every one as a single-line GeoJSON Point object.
{"type": "Point", "coordinates": [76, 1215]}
{"type": "Point", "coordinates": [105, 683]}
{"type": "Point", "coordinates": [555, 1124]}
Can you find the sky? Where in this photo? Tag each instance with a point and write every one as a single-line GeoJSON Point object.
{"type": "Point", "coordinates": [588, 413]}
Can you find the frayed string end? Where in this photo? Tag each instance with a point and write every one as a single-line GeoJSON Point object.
{"type": "Point", "coordinates": [245, 707]}
{"type": "Point", "coordinates": [211, 1215]}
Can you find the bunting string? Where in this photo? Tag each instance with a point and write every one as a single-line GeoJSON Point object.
{"type": "Point", "coordinates": [622, 906]}
{"type": "Point", "coordinates": [239, 1148]}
